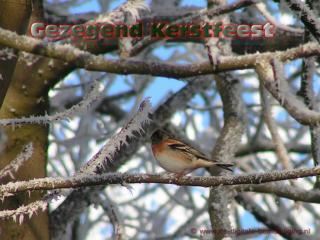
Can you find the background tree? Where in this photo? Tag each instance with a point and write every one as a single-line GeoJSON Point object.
{"type": "Point", "coordinates": [77, 111]}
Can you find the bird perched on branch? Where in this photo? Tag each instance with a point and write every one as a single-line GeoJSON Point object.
{"type": "Point", "coordinates": [178, 157]}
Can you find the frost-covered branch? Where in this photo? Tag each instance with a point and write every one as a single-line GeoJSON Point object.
{"type": "Point", "coordinates": [101, 159]}
{"type": "Point", "coordinates": [22, 212]}
{"type": "Point", "coordinates": [124, 178]}
{"type": "Point", "coordinates": [133, 126]}
{"type": "Point", "coordinates": [218, 202]}
{"type": "Point", "coordinates": [82, 106]}
{"type": "Point", "coordinates": [15, 164]}
{"type": "Point", "coordinates": [93, 62]}
{"type": "Point", "coordinates": [307, 16]}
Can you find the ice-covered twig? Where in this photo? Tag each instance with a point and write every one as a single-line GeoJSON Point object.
{"type": "Point", "coordinates": [15, 164]}
{"type": "Point", "coordinates": [82, 106]}
{"type": "Point", "coordinates": [20, 213]}
{"type": "Point", "coordinates": [113, 146]}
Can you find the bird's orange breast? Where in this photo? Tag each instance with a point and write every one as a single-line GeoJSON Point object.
{"type": "Point", "coordinates": [170, 160]}
{"type": "Point", "coordinates": [158, 148]}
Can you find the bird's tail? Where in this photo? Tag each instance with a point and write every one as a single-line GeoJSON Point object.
{"type": "Point", "coordinates": [207, 163]}
{"type": "Point", "coordinates": [226, 166]}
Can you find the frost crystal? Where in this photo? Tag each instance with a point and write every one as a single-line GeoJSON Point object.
{"type": "Point", "coordinates": [7, 54]}
{"type": "Point", "coordinates": [20, 212]}
{"type": "Point", "coordinates": [15, 164]}
{"type": "Point", "coordinates": [21, 217]}
{"type": "Point", "coordinates": [51, 63]}
{"type": "Point", "coordinates": [29, 58]}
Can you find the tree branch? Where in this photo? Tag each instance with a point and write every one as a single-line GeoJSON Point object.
{"type": "Point", "coordinates": [307, 16]}
{"type": "Point", "coordinates": [226, 146]}
{"type": "Point", "coordinates": [280, 148]}
{"type": "Point", "coordinates": [123, 178]}
{"type": "Point", "coordinates": [294, 193]}
{"type": "Point", "coordinates": [265, 146]}
{"type": "Point", "coordinates": [16, 163]}
{"type": "Point", "coordinates": [93, 62]}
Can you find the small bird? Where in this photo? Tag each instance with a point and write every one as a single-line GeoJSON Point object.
{"type": "Point", "coordinates": [178, 157]}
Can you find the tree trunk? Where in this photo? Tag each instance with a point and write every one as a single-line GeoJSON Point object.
{"type": "Point", "coordinates": [23, 99]}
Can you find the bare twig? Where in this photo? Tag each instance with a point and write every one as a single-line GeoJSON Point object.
{"type": "Point", "coordinates": [284, 95]}
{"type": "Point", "coordinates": [110, 210]}
{"type": "Point", "coordinates": [265, 146]}
{"type": "Point", "coordinates": [191, 17]}
{"type": "Point", "coordinates": [283, 190]}
{"type": "Point", "coordinates": [264, 11]}
{"type": "Point", "coordinates": [107, 152]}
{"type": "Point", "coordinates": [280, 148]}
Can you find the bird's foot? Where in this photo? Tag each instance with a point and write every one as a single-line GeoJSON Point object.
{"type": "Point", "coordinates": [177, 176]}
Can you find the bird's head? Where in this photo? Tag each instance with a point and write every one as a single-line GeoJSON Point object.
{"type": "Point", "coordinates": [159, 136]}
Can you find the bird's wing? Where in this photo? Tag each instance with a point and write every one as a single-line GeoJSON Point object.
{"type": "Point", "coordinates": [191, 153]}
{"type": "Point", "coordinates": [177, 145]}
